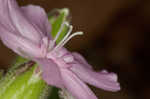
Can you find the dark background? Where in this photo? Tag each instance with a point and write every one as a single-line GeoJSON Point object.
{"type": "Point", "coordinates": [116, 37]}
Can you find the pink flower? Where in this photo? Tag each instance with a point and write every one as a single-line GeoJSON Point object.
{"type": "Point", "coordinates": [26, 30]}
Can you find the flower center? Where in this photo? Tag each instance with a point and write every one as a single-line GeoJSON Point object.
{"type": "Point", "coordinates": [56, 52]}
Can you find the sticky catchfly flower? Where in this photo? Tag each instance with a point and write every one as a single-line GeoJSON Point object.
{"type": "Point", "coordinates": [26, 31]}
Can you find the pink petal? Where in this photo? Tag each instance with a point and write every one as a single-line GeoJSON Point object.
{"type": "Point", "coordinates": [81, 59]}
{"type": "Point", "coordinates": [51, 73]}
{"type": "Point", "coordinates": [37, 16]}
{"type": "Point", "coordinates": [75, 86]}
{"type": "Point", "coordinates": [22, 24]}
{"type": "Point", "coordinates": [4, 15]}
{"type": "Point", "coordinates": [19, 44]}
{"type": "Point", "coordinates": [104, 80]}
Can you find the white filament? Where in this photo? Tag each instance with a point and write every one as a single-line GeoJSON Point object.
{"type": "Point", "coordinates": [52, 43]}
{"type": "Point", "coordinates": [66, 36]}
{"type": "Point", "coordinates": [59, 32]}
{"type": "Point", "coordinates": [67, 39]}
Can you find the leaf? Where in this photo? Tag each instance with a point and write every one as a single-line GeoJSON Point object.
{"type": "Point", "coordinates": [57, 17]}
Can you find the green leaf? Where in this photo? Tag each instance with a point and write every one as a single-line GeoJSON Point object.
{"type": "Point", "coordinates": [57, 17]}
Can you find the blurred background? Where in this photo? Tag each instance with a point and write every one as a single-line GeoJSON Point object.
{"type": "Point", "coordinates": [116, 37]}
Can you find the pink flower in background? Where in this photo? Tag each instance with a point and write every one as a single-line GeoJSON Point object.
{"type": "Point", "coordinates": [26, 31]}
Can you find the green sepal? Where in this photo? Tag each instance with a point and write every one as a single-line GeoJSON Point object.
{"type": "Point", "coordinates": [23, 82]}
{"type": "Point", "coordinates": [57, 17]}
{"type": "Point", "coordinates": [17, 62]}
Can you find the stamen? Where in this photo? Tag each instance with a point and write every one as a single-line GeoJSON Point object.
{"type": "Point", "coordinates": [59, 32]}
{"type": "Point", "coordinates": [67, 39]}
{"type": "Point", "coordinates": [67, 35]}
{"type": "Point", "coordinates": [52, 43]}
